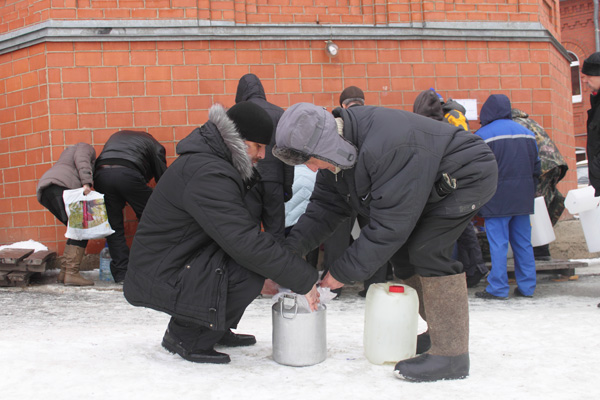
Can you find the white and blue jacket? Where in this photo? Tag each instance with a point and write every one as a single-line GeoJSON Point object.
{"type": "Point", "coordinates": [516, 153]}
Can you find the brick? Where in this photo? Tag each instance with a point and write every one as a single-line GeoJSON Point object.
{"type": "Point", "coordinates": [119, 105]}
{"type": "Point", "coordinates": [158, 73]}
{"type": "Point", "coordinates": [103, 74]}
{"type": "Point", "coordinates": [87, 106]}
{"type": "Point", "coordinates": [114, 58]}
{"type": "Point", "coordinates": [119, 120]}
{"type": "Point", "coordinates": [170, 118]}
{"type": "Point", "coordinates": [88, 59]}
{"type": "Point", "coordinates": [92, 121]}
{"type": "Point", "coordinates": [146, 104]}
{"type": "Point", "coordinates": [145, 119]}
{"type": "Point", "coordinates": [158, 88]}
{"type": "Point", "coordinates": [104, 89]}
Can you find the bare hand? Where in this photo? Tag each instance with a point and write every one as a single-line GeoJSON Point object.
{"type": "Point", "coordinates": [330, 282]}
{"type": "Point", "coordinates": [86, 189]}
{"type": "Point", "coordinates": [270, 288]}
{"type": "Point", "coordinates": [313, 298]}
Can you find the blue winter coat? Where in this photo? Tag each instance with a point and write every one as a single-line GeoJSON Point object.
{"type": "Point", "coordinates": [516, 153]}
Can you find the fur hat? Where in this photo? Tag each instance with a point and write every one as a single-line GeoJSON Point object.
{"type": "Point", "coordinates": [306, 130]}
{"type": "Point", "coordinates": [252, 122]}
{"type": "Point", "coordinates": [591, 65]}
{"type": "Point", "coordinates": [350, 94]}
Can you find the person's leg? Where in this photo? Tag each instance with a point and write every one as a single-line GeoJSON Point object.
{"type": "Point", "coordinates": [195, 342]}
{"type": "Point", "coordinates": [520, 241]}
{"type": "Point", "coordinates": [497, 233]}
{"type": "Point", "coordinates": [445, 300]}
{"type": "Point", "coordinates": [108, 182]}
{"type": "Point", "coordinates": [469, 254]}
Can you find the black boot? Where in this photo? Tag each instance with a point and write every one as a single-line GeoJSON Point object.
{"type": "Point", "coordinates": [231, 339]}
{"type": "Point", "coordinates": [447, 309]}
{"type": "Point", "coordinates": [423, 342]}
{"type": "Point", "coordinates": [210, 356]}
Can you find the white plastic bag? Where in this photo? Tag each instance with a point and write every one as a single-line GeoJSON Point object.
{"type": "Point", "coordinates": [87, 215]}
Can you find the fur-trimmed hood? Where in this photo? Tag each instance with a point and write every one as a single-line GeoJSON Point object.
{"type": "Point", "coordinates": [219, 136]}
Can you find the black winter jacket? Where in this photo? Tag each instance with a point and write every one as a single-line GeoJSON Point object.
{"type": "Point", "coordinates": [196, 222]}
{"type": "Point", "coordinates": [400, 157]}
{"type": "Point", "coordinates": [135, 149]}
{"type": "Point", "coordinates": [593, 142]}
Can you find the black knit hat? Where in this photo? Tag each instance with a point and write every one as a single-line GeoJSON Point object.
{"type": "Point", "coordinates": [350, 94]}
{"type": "Point", "coordinates": [253, 123]}
{"type": "Point", "coordinates": [591, 66]}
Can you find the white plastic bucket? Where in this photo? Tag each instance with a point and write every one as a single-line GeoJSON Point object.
{"type": "Point", "coordinates": [299, 337]}
{"type": "Point", "coordinates": [541, 227]}
{"type": "Point", "coordinates": [590, 222]}
{"type": "Point", "coordinates": [391, 318]}
{"type": "Point", "coordinates": [579, 200]}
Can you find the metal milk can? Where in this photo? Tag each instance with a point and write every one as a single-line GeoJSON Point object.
{"type": "Point", "coordinates": [299, 336]}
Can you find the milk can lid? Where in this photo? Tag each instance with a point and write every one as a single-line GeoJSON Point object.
{"type": "Point", "coordinates": [396, 289]}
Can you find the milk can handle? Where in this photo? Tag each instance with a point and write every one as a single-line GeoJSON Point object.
{"type": "Point", "coordinates": [294, 307]}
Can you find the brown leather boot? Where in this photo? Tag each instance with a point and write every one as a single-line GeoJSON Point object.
{"type": "Point", "coordinates": [61, 275]}
{"type": "Point", "coordinates": [73, 256]}
{"type": "Point", "coordinates": [447, 307]}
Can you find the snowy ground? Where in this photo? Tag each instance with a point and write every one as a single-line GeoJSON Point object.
{"type": "Point", "coordinates": [88, 343]}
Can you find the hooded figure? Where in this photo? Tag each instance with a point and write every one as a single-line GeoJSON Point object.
{"type": "Point", "coordinates": [507, 213]}
{"type": "Point", "coordinates": [198, 254]}
{"type": "Point", "coordinates": [419, 182]}
{"type": "Point", "coordinates": [276, 178]}
{"type": "Point", "coordinates": [468, 249]}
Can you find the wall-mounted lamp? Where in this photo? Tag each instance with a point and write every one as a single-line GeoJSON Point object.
{"type": "Point", "coordinates": [331, 48]}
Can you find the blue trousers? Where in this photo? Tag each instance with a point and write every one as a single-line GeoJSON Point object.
{"type": "Point", "coordinates": [516, 230]}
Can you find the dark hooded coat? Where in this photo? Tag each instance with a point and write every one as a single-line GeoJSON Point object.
{"type": "Point", "coordinates": [516, 152]}
{"type": "Point", "coordinates": [400, 157]}
{"type": "Point", "coordinates": [276, 177]}
{"type": "Point", "coordinates": [593, 142]}
{"type": "Point", "coordinates": [196, 222]}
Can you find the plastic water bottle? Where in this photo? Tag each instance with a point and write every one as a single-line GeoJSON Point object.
{"type": "Point", "coordinates": [105, 274]}
{"type": "Point", "coordinates": [391, 318]}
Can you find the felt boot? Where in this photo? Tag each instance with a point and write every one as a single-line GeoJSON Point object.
{"type": "Point", "coordinates": [73, 256]}
{"type": "Point", "coordinates": [447, 308]}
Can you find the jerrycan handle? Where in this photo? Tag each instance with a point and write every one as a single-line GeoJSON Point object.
{"type": "Point", "coordinates": [283, 309]}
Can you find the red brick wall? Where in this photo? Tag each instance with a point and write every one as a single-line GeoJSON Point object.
{"type": "Point", "coordinates": [577, 26]}
{"type": "Point", "coordinates": [16, 14]}
{"type": "Point", "coordinates": [56, 94]}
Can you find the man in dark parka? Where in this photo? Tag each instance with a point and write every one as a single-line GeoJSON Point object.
{"type": "Point", "coordinates": [267, 197]}
{"type": "Point", "coordinates": [419, 182]}
{"type": "Point", "coordinates": [198, 254]}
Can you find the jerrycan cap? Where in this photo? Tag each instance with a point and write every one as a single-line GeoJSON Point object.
{"type": "Point", "coordinates": [396, 289]}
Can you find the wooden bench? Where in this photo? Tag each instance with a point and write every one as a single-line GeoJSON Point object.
{"type": "Point", "coordinates": [18, 265]}
{"type": "Point", "coordinates": [563, 267]}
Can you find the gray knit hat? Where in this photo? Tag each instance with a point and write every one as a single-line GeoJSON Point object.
{"type": "Point", "coordinates": [306, 130]}
{"type": "Point", "coordinates": [591, 65]}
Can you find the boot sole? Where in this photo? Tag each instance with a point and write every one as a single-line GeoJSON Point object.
{"type": "Point", "coordinates": [398, 375]}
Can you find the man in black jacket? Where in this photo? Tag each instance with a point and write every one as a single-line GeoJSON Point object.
{"type": "Point", "coordinates": [267, 197]}
{"type": "Point", "coordinates": [199, 254]}
{"type": "Point", "coordinates": [419, 182]}
{"type": "Point", "coordinates": [129, 160]}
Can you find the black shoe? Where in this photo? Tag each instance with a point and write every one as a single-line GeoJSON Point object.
{"type": "Point", "coordinates": [473, 280]}
{"type": "Point", "coordinates": [518, 293]}
{"type": "Point", "coordinates": [211, 356]}
{"type": "Point", "coordinates": [338, 292]}
{"type": "Point", "coordinates": [423, 343]}
{"type": "Point", "coordinates": [427, 368]}
{"type": "Point", "coordinates": [543, 258]}
{"type": "Point", "coordinates": [231, 339]}
{"type": "Point", "coordinates": [363, 293]}
{"type": "Point", "coordinates": [488, 296]}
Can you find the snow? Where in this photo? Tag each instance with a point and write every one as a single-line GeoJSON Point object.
{"type": "Point", "coordinates": [28, 244]}
{"type": "Point", "coordinates": [89, 343]}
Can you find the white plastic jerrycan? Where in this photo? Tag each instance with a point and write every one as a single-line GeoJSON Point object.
{"type": "Point", "coordinates": [391, 318]}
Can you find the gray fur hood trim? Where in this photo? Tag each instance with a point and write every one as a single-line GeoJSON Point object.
{"type": "Point", "coordinates": [233, 140]}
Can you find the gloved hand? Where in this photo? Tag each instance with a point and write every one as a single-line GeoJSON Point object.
{"type": "Point", "coordinates": [287, 193]}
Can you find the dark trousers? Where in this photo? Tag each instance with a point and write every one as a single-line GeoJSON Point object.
{"type": "Point", "coordinates": [121, 185]}
{"type": "Point", "coordinates": [468, 252]}
{"type": "Point", "coordinates": [428, 250]}
{"type": "Point", "coordinates": [243, 287]}
{"type": "Point", "coordinates": [52, 199]}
